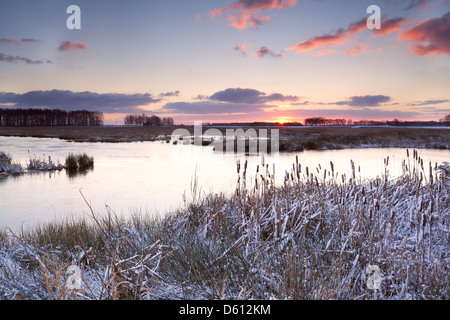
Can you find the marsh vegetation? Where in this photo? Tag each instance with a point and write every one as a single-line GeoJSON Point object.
{"type": "Point", "coordinates": [74, 163]}
{"type": "Point", "coordinates": [291, 138]}
{"type": "Point", "coordinates": [313, 237]}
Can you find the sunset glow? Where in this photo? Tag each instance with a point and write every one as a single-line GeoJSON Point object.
{"type": "Point", "coordinates": [257, 151]}
{"type": "Point", "coordinates": [229, 61]}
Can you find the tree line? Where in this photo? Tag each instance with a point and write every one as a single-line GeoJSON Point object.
{"type": "Point", "coordinates": [144, 120]}
{"type": "Point", "coordinates": [49, 117]}
{"type": "Point", "coordinates": [320, 121]}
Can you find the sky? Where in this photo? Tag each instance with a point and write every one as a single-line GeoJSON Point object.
{"type": "Point", "coordinates": [228, 61]}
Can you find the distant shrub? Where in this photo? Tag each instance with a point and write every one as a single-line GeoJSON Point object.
{"type": "Point", "coordinates": [71, 162]}
{"type": "Point", "coordinates": [85, 162]}
{"type": "Point", "coordinates": [81, 161]}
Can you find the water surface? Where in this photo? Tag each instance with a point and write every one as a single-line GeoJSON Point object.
{"type": "Point", "coordinates": [151, 177]}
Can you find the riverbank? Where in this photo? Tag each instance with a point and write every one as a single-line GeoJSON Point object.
{"type": "Point", "coordinates": [312, 238]}
{"type": "Point", "coordinates": [291, 138]}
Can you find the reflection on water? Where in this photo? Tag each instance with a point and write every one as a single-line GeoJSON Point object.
{"type": "Point", "coordinates": [72, 174]}
{"type": "Point", "coordinates": [151, 177]}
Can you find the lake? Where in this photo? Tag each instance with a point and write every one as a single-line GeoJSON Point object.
{"type": "Point", "coordinates": [151, 177]}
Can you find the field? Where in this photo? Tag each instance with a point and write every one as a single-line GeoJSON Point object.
{"type": "Point", "coordinates": [291, 138]}
{"type": "Point", "coordinates": [319, 236]}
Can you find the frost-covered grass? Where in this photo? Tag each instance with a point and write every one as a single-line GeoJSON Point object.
{"type": "Point", "coordinates": [43, 164]}
{"type": "Point", "coordinates": [7, 166]}
{"type": "Point", "coordinates": [311, 238]}
{"type": "Point", "coordinates": [74, 162]}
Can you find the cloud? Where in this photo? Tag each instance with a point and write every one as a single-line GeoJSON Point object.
{"type": "Point", "coordinates": [304, 103]}
{"type": "Point", "coordinates": [246, 19]}
{"type": "Point", "coordinates": [245, 11]}
{"type": "Point", "coordinates": [260, 53]}
{"type": "Point", "coordinates": [430, 37]}
{"type": "Point", "coordinates": [5, 40]}
{"type": "Point", "coordinates": [390, 25]}
{"type": "Point", "coordinates": [264, 51]}
{"type": "Point", "coordinates": [428, 102]}
{"type": "Point", "coordinates": [366, 113]}
{"type": "Point", "coordinates": [28, 40]}
{"type": "Point", "coordinates": [14, 59]}
{"type": "Point", "coordinates": [67, 45]}
{"type": "Point", "coordinates": [242, 49]}
{"type": "Point", "coordinates": [334, 38]}
{"type": "Point", "coordinates": [211, 107]}
{"type": "Point", "coordinates": [368, 101]}
{"type": "Point", "coordinates": [69, 100]}
{"type": "Point", "coordinates": [231, 101]}
{"type": "Point", "coordinates": [342, 35]}
{"type": "Point", "coordinates": [414, 4]}
{"type": "Point", "coordinates": [245, 104]}
{"type": "Point", "coordinates": [170, 94]}
{"type": "Point", "coordinates": [358, 48]}
{"type": "Point", "coordinates": [239, 95]}
{"type": "Point", "coordinates": [201, 97]}
{"type": "Point", "coordinates": [250, 96]}
{"type": "Point", "coordinates": [18, 42]}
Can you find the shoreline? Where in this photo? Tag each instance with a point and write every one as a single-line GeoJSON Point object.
{"type": "Point", "coordinates": [291, 138]}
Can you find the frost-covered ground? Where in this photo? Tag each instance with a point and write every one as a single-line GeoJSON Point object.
{"type": "Point", "coordinates": [313, 238]}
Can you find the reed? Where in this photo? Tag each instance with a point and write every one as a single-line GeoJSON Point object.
{"type": "Point", "coordinates": [312, 237]}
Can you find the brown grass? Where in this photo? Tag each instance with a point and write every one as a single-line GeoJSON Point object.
{"type": "Point", "coordinates": [291, 139]}
{"type": "Point", "coordinates": [345, 137]}
{"type": "Point", "coordinates": [311, 238]}
{"type": "Point", "coordinates": [91, 134]}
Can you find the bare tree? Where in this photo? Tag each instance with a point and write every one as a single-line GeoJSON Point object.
{"type": "Point", "coordinates": [49, 117]}
{"type": "Point", "coordinates": [446, 119]}
{"type": "Point", "coordinates": [144, 120]}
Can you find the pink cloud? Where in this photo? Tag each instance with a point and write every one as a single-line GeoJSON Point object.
{"type": "Point", "coordinates": [10, 41]}
{"type": "Point", "coordinates": [391, 25]}
{"type": "Point", "coordinates": [358, 48]}
{"type": "Point", "coordinates": [418, 4]}
{"type": "Point", "coordinates": [67, 45]}
{"type": "Point", "coordinates": [338, 37]}
{"type": "Point", "coordinates": [18, 42]}
{"type": "Point", "coordinates": [241, 48]}
{"type": "Point", "coordinates": [245, 12]}
{"type": "Point", "coordinates": [342, 35]}
{"type": "Point", "coordinates": [246, 19]}
{"type": "Point", "coordinates": [430, 37]}
{"type": "Point", "coordinates": [260, 53]}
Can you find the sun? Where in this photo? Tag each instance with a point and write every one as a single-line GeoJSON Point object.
{"type": "Point", "coordinates": [281, 121]}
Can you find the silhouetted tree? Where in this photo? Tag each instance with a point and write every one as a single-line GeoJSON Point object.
{"type": "Point", "coordinates": [320, 121]}
{"type": "Point", "coordinates": [143, 120]}
{"type": "Point", "coordinates": [49, 117]}
{"type": "Point", "coordinates": [446, 119]}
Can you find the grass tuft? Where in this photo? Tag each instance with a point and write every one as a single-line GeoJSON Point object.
{"type": "Point", "coordinates": [80, 162]}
